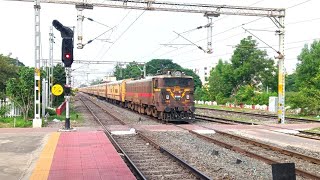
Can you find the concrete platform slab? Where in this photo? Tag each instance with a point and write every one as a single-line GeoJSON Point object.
{"type": "Point", "coordinates": [19, 150]}
{"type": "Point", "coordinates": [281, 139]}
{"type": "Point", "coordinates": [277, 134]}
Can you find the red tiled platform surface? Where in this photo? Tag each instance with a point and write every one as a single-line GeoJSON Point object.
{"type": "Point", "coordinates": [87, 155]}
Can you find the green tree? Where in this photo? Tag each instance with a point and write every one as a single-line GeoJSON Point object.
{"type": "Point", "coordinates": [8, 69]}
{"type": "Point", "coordinates": [131, 70]}
{"type": "Point", "coordinates": [201, 93]}
{"type": "Point", "coordinates": [291, 85]}
{"type": "Point", "coordinates": [221, 81]}
{"type": "Point", "coordinates": [155, 66]}
{"type": "Point", "coordinates": [251, 66]}
{"type": "Point", "coordinates": [308, 78]}
{"type": "Point", "coordinates": [21, 90]}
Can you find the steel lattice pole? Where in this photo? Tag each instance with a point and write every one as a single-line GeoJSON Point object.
{"type": "Point", "coordinates": [37, 122]}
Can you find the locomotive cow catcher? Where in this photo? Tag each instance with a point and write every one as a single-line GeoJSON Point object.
{"type": "Point", "coordinates": [168, 97]}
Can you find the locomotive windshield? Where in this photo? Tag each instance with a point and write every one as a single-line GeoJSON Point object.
{"type": "Point", "coordinates": [182, 82]}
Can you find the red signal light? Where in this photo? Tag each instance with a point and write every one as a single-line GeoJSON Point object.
{"type": "Point", "coordinates": [68, 56]}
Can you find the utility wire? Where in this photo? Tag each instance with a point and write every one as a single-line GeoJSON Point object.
{"type": "Point", "coordinates": [103, 47]}
{"type": "Point", "coordinates": [90, 19]}
{"type": "Point", "coordinates": [199, 47]}
{"type": "Point", "coordinates": [90, 41]}
{"type": "Point", "coordinates": [262, 41]}
{"type": "Point", "coordinates": [232, 28]}
{"type": "Point", "coordinates": [253, 21]}
{"type": "Point", "coordinates": [189, 51]}
{"type": "Point", "coordinates": [298, 4]}
{"type": "Point", "coordinates": [123, 33]}
{"type": "Point", "coordinates": [199, 27]}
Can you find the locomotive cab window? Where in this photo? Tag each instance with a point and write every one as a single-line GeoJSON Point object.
{"type": "Point", "coordinates": [182, 82]}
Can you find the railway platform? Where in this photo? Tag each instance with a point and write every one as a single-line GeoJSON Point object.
{"type": "Point", "coordinates": [40, 154]}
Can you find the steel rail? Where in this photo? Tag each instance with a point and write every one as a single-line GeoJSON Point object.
{"type": "Point", "coordinates": [222, 120]}
{"type": "Point", "coordinates": [260, 115]}
{"type": "Point", "coordinates": [137, 171]}
{"type": "Point", "coordinates": [249, 154]}
{"type": "Point", "coordinates": [157, 146]}
{"type": "Point", "coordinates": [302, 134]}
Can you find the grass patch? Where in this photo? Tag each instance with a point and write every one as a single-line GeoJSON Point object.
{"type": "Point", "coordinates": [228, 108]}
{"type": "Point", "coordinates": [314, 130]}
{"type": "Point", "coordinates": [315, 118]}
{"type": "Point", "coordinates": [8, 122]}
{"type": "Point", "coordinates": [74, 116]}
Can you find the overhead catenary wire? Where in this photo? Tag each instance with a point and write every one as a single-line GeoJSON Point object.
{"type": "Point", "coordinates": [261, 40]}
{"type": "Point", "coordinates": [122, 34]}
{"type": "Point", "coordinates": [298, 4]}
{"type": "Point", "coordinates": [103, 47]}
{"type": "Point", "coordinates": [222, 32]}
{"type": "Point", "coordinates": [243, 24]}
{"type": "Point", "coordinates": [90, 19]}
{"type": "Point", "coordinates": [220, 40]}
{"type": "Point", "coordinates": [199, 47]}
{"type": "Point", "coordinates": [190, 30]}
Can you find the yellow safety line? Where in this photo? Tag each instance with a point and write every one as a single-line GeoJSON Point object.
{"type": "Point", "coordinates": [42, 169]}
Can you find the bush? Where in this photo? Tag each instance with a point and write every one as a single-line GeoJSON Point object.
{"type": "Point", "coordinates": [51, 112]}
{"type": "Point", "coordinates": [3, 110]}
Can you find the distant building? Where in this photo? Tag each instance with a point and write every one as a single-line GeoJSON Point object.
{"type": "Point", "coordinates": [204, 73]}
{"type": "Point", "coordinates": [109, 79]}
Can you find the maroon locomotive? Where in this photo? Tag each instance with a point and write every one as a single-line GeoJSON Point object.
{"type": "Point", "coordinates": [168, 97]}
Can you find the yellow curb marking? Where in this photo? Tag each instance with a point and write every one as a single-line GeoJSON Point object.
{"type": "Point", "coordinates": [42, 169]}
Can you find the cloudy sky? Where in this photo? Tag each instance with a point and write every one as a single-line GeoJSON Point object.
{"type": "Point", "coordinates": [138, 35]}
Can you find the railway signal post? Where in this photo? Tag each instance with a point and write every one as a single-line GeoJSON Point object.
{"type": "Point", "coordinates": [67, 59]}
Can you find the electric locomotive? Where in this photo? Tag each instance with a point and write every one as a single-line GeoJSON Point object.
{"type": "Point", "coordinates": [168, 97]}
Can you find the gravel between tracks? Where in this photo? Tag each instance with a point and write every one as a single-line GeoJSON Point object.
{"type": "Point", "coordinates": [201, 154]}
{"type": "Point", "coordinates": [129, 117]}
{"type": "Point", "coordinates": [274, 155]}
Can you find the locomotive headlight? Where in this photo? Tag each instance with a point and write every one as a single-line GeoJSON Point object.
{"type": "Point", "coordinates": [167, 96]}
{"type": "Point", "coordinates": [187, 96]}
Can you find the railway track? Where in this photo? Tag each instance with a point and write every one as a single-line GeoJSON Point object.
{"type": "Point", "coordinates": [306, 166]}
{"type": "Point", "coordinates": [303, 134]}
{"type": "Point", "coordinates": [259, 115]}
{"type": "Point", "coordinates": [148, 159]}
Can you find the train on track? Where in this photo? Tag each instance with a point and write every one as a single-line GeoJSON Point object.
{"type": "Point", "coordinates": [168, 97]}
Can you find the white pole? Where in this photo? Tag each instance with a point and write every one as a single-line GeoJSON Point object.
{"type": "Point", "coordinates": [43, 97]}
{"type": "Point", "coordinates": [209, 38]}
{"type": "Point", "coordinates": [37, 122]}
{"type": "Point", "coordinates": [51, 41]}
{"type": "Point", "coordinates": [79, 27]}
{"type": "Point", "coordinates": [281, 79]}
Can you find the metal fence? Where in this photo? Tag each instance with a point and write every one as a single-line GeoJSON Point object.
{"type": "Point", "coordinates": [12, 110]}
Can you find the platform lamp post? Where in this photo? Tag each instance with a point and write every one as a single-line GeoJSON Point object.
{"type": "Point", "coordinates": [67, 59]}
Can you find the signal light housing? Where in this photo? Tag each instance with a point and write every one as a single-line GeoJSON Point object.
{"type": "Point", "coordinates": [67, 51]}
